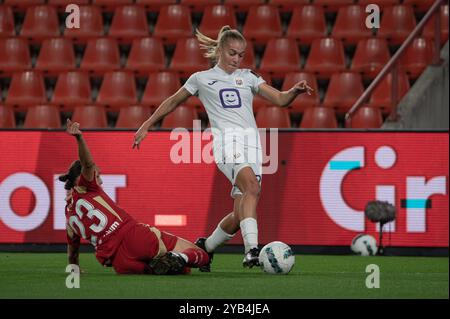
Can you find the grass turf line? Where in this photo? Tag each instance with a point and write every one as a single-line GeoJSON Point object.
{"type": "Point", "coordinates": [42, 275]}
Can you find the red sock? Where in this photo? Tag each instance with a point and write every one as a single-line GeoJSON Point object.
{"type": "Point", "coordinates": [196, 257]}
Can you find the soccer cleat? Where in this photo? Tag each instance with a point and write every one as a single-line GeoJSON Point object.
{"type": "Point", "coordinates": [169, 264]}
{"type": "Point", "coordinates": [251, 258]}
{"type": "Point", "coordinates": [200, 242]}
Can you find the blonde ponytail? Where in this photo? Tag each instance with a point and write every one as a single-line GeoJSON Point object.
{"type": "Point", "coordinates": [211, 45]}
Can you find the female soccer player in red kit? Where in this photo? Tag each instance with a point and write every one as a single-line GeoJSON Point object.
{"type": "Point", "coordinates": [119, 240]}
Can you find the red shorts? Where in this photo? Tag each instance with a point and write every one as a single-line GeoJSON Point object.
{"type": "Point", "coordinates": [139, 246]}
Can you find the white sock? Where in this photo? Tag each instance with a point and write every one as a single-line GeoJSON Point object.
{"type": "Point", "coordinates": [186, 259]}
{"type": "Point", "coordinates": [217, 238]}
{"type": "Point", "coordinates": [249, 231]}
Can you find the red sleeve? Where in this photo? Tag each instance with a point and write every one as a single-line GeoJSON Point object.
{"type": "Point", "coordinates": [90, 186]}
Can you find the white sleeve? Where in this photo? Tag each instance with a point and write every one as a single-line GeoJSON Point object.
{"type": "Point", "coordinates": [191, 84]}
{"type": "Point", "coordinates": [256, 81]}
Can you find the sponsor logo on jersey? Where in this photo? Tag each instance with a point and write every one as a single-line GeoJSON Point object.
{"type": "Point", "coordinates": [239, 82]}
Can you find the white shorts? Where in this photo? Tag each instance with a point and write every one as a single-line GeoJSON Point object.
{"type": "Point", "coordinates": [236, 158]}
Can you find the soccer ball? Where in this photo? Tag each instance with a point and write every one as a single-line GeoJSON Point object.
{"type": "Point", "coordinates": [364, 245]}
{"type": "Point", "coordinates": [276, 258]}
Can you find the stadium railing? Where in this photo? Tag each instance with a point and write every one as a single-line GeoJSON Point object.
{"type": "Point", "coordinates": [392, 65]}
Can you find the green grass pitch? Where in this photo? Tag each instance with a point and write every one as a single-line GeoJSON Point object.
{"type": "Point", "coordinates": [42, 275]}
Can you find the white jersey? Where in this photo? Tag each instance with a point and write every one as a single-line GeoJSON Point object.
{"type": "Point", "coordinates": [228, 100]}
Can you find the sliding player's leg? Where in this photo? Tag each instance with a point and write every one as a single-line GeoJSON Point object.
{"type": "Point", "coordinates": [192, 255]}
{"type": "Point", "coordinates": [225, 230]}
{"type": "Point", "coordinates": [138, 246]}
{"type": "Point", "coordinates": [126, 266]}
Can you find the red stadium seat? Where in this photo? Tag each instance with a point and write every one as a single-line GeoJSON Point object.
{"type": "Point", "coordinates": [215, 17]}
{"type": "Point", "coordinates": [40, 22]}
{"type": "Point", "coordinates": [118, 89]}
{"type": "Point", "coordinates": [174, 22]}
{"type": "Point", "coordinates": [259, 101]}
{"type": "Point", "coordinates": [155, 5]}
{"type": "Point", "coordinates": [281, 55]}
{"type": "Point", "coordinates": [262, 23]}
{"type": "Point", "coordinates": [265, 75]}
{"type": "Point", "coordinates": [42, 116]}
{"type": "Point", "coordinates": [72, 88]}
{"type": "Point", "coordinates": [146, 55]}
{"type": "Point", "coordinates": [366, 117]}
{"type": "Point", "coordinates": [132, 116]}
{"type": "Point", "coordinates": [56, 55]}
{"type": "Point", "coordinates": [7, 119]}
{"type": "Point", "coordinates": [91, 25]}
{"type": "Point", "coordinates": [307, 23]}
{"type": "Point", "coordinates": [428, 30]}
{"type": "Point", "coordinates": [326, 57]}
{"type": "Point", "coordinates": [90, 116]}
{"type": "Point", "coordinates": [195, 103]}
{"type": "Point", "coordinates": [27, 88]}
{"type": "Point", "coordinates": [200, 5]}
{"type": "Point", "coordinates": [101, 55]}
{"type": "Point", "coordinates": [319, 117]}
{"type": "Point", "coordinates": [249, 61]}
{"type": "Point", "coordinates": [381, 96]}
{"type": "Point", "coordinates": [14, 55]}
{"type": "Point", "coordinates": [273, 117]}
{"type": "Point", "coordinates": [397, 23]}
{"type": "Point", "coordinates": [288, 5]}
{"type": "Point", "coordinates": [350, 25]}
{"type": "Point", "coordinates": [111, 4]}
{"type": "Point", "coordinates": [343, 91]}
{"type": "Point", "coordinates": [23, 4]}
{"type": "Point", "coordinates": [188, 58]}
{"type": "Point", "coordinates": [333, 5]}
{"type": "Point", "coordinates": [182, 116]}
{"type": "Point", "coordinates": [417, 57]}
{"type": "Point", "coordinates": [159, 87]}
{"type": "Point", "coordinates": [62, 4]}
{"type": "Point", "coordinates": [421, 5]}
{"type": "Point", "coordinates": [129, 22]}
{"type": "Point", "coordinates": [243, 5]}
{"type": "Point", "coordinates": [302, 101]}
{"type": "Point", "coordinates": [6, 22]}
{"type": "Point", "coordinates": [370, 57]}
{"type": "Point", "coordinates": [381, 3]}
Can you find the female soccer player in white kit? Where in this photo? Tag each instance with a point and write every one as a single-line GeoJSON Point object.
{"type": "Point", "coordinates": [227, 95]}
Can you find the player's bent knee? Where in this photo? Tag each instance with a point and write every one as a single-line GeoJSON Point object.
{"type": "Point", "coordinates": [253, 189]}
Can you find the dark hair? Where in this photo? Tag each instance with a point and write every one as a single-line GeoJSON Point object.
{"type": "Point", "coordinates": [72, 175]}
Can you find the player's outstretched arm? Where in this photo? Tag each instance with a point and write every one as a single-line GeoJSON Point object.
{"type": "Point", "coordinates": [73, 247]}
{"type": "Point", "coordinates": [284, 98]}
{"type": "Point", "coordinates": [165, 108]}
{"type": "Point", "coordinates": [87, 163]}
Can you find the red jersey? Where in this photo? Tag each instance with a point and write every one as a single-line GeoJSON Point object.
{"type": "Point", "coordinates": [92, 215]}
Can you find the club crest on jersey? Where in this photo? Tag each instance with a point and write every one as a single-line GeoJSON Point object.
{"type": "Point", "coordinates": [239, 82]}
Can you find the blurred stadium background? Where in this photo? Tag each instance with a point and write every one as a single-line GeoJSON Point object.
{"type": "Point", "coordinates": [382, 100]}
{"type": "Point", "coordinates": [127, 56]}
